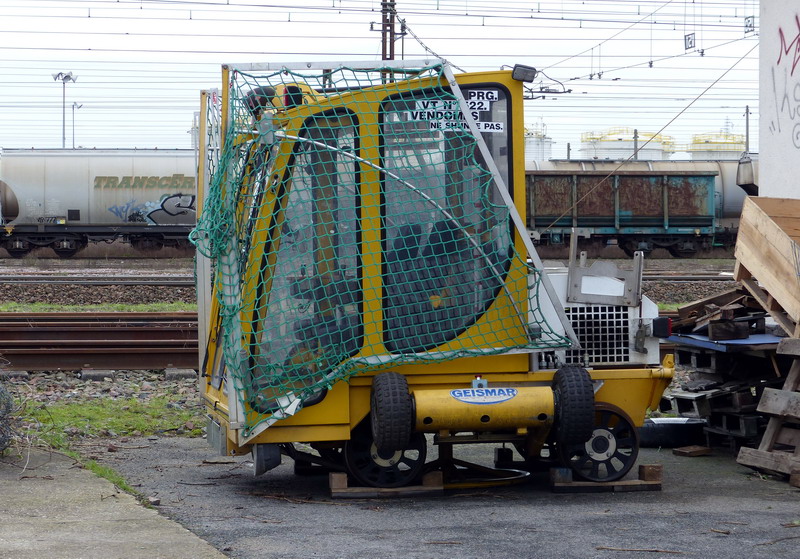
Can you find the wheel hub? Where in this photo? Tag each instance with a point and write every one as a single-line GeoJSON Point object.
{"type": "Point", "coordinates": [384, 459]}
{"type": "Point", "coordinates": [602, 445]}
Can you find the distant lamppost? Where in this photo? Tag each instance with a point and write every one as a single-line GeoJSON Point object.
{"type": "Point", "coordinates": [64, 77]}
{"type": "Point", "coordinates": [75, 105]}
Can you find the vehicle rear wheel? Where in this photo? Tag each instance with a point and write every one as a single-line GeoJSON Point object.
{"type": "Point", "coordinates": [18, 252]}
{"type": "Point", "coordinates": [610, 452]}
{"type": "Point", "coordinates": [574, 405]}
{"type": "Point", "coordinates": [392, 412]}
{"type": "Point", "coordinates": [372, 468]}
{"type": "Point", "coordinates": [65, 252]}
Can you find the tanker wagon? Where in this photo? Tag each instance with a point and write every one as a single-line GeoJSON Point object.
{"type": "Point", "coordinates": [64, 199]}
{"type": "Point", "coordinates": [367, 286]}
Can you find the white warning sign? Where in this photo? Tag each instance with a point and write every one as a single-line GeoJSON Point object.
{"type": "Point", "coordinates": [447, 115]}
{"type": "Point", "coordinates": [462, 125]}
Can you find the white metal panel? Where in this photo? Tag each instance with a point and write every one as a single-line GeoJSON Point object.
{"type": "Point", "coordinates": [65, 180]}
{"type": "Point", "coordinates": [607, 332]}
{"type": "Point", "coordinates": [153, 184]}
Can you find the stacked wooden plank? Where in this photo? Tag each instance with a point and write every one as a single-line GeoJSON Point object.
{"type": "Point", "coordinates": [768, 266]}
{"type": "Point", "coordinates": [726, 316]}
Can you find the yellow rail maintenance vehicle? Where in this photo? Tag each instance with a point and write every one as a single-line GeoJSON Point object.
{"type": "Point", "coordinates": [367, 286]}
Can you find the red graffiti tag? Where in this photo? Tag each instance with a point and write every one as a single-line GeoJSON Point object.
{"type": "Point", "coordinates": [794, 45]}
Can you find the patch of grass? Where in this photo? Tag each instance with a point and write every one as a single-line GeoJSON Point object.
{"type": "Point", "coordinates": [106, 307]}
{"type": "Point", "coordinates": [110, 474]}
{"type": "Point", "coordinates": [671, 306]}
{"type": "Point", "coordinates": [62, 422]}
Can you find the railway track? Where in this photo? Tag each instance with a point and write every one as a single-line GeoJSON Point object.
{"type": "Point", "coordinates": [188, 281]}
{"type": "Point", "coordinates": [73, 341]}
{"type": "Point", "coordinates": [681, 276]}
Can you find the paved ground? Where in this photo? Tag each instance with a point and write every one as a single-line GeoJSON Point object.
{"type": "Point", "coordinates": [710, 507]}
{"type": "Point", "coordinates": [50, 507]}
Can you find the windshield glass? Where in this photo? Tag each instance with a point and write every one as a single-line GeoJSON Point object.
{"type": "Point", "coordinates": [446, 230]}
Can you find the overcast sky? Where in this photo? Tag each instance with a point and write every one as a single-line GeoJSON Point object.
{"type": "Point", "coordinates": [141, 63]}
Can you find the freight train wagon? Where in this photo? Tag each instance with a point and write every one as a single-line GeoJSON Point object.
{"type": "Point", "coordinates": [685, 207]}
{"type": "Point", "coordinates": [65, 199]}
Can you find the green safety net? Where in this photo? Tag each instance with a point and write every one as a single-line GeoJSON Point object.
{"type": "Point", "coordinates": [354, 225]}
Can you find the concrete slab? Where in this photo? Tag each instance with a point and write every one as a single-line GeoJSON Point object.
{"type": "Point", "coordinates": [51, 507]}
{"type": "Point", "coordinates": [98, 375]}
{"type": "Point", "coordinates": [179, 374]}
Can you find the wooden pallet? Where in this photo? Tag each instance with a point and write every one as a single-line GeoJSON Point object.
{"type": "Point", "coordinates": [649, 480]}
{"type": "Point", "coordinates": [768, 248]}
{"type": "Point", "coordinates": [432, 484]}
{"type": "Point", "coordinates": [779, 450]}
{"type": "Point", "coordinates": [768, 266]}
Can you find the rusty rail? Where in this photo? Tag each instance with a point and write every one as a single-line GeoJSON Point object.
{"type": "Point", "coordinates": [72, 341]}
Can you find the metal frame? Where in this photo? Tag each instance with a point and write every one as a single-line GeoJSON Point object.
{"type": "Point", "coordinates": [321, 65]}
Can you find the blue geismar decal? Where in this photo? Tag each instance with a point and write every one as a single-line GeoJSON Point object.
{"type": "Point", "coordinates": [483, 395]}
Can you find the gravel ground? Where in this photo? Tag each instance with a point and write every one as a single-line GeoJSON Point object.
{"type": "Point", "coordinates": [680, 292]}
{"type": "Point", "coordinates": [659, 291]}
{"type": "Point", "coordinates": [95, 294]}
{"type": "Point", "coordinates": [47, 388]}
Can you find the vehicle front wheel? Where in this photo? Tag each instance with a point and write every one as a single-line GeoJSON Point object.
{"type": "Point", "coordinates": [574, 405]}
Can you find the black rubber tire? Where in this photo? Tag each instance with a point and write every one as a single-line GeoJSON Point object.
{"type": "Point", "coordinates": [65, 252]}
{"type": "Point", "coordinates": [391, 412]}
{"type": "Point", "coordinates": [18, 253]}
{"type": "Point", "coordinates": [671, 433]}
{"type": "Point", "coordinates": [574, 405]}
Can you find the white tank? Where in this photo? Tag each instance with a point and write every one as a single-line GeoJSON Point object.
{"type": "Point", "coordinates": [538, 145]}
{"type": "Point", "coordinates": [100, 186]}
{"type": "Point", "coordinates": [620, 143]}
{"type": "Point", "coordinates": [720, 146]}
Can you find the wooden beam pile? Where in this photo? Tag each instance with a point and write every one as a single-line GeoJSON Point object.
{"type": "Point", "coordinates": [731, 315]}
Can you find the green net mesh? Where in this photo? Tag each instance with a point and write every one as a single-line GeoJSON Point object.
{"type": "Point", "coordinates": [354, 225]}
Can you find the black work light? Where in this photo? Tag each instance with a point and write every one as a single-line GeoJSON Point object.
{"type": "Point", "coordinates": [523, 73]}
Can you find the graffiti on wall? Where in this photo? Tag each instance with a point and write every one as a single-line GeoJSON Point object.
{"type": "Point", "coordinates": [785, 85]}
{"type": "Point", "coordinates": [170, 209]}
{"type": "Point", "coordinates": [125, 212]}
{"type": "Point", "coordinates": [174, 209]}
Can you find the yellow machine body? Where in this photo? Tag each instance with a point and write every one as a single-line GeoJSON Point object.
{"type": "Point", "coordinates": [634, 390]}
{"type": "Point", "coordinates": [479, 408]}
{"type": "Point", "coordinates": [513, 396]}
